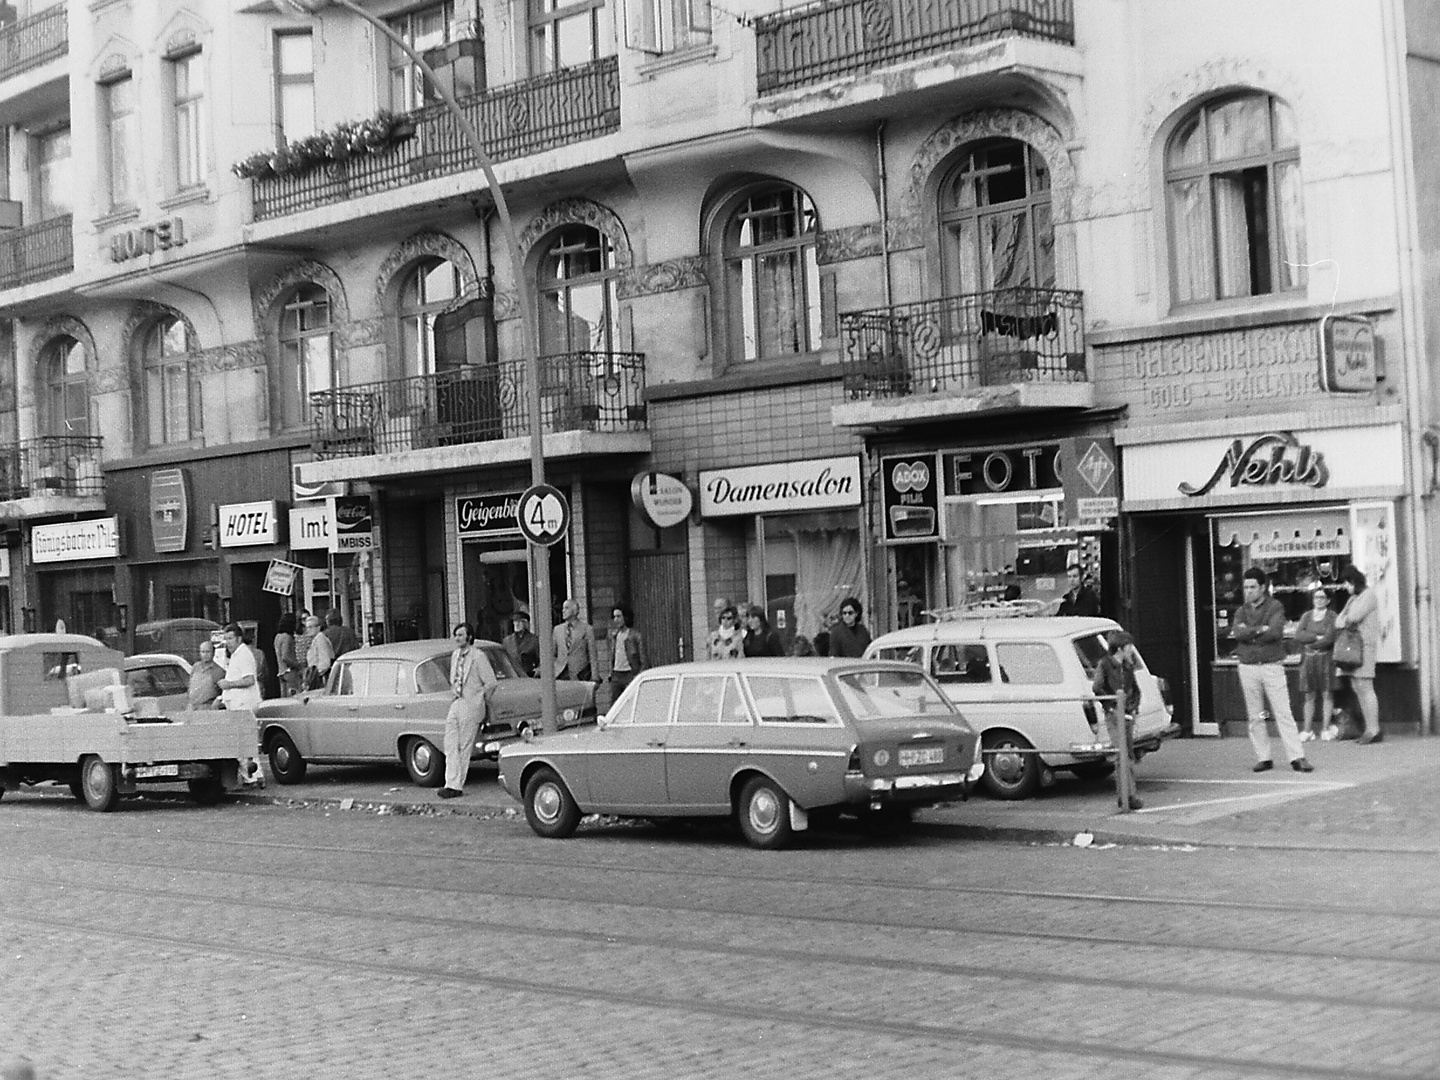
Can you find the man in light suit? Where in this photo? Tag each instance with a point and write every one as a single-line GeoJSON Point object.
{"type": "Point", "coordinates": [575, 656]}
{"type": "Point", "coordinates": [471, 683]}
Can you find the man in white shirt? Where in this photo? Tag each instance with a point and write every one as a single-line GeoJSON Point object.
{"type": "Point", "coordinates": [240, 689]}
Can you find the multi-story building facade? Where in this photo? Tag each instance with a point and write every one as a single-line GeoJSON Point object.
{"type": "Point", "coordinates": [925, 303]}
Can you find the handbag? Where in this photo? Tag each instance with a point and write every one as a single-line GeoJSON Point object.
{"type": "Point", "coordinates": [1349, 648]}
{"type": "Point", "coordinates": [312, 679]}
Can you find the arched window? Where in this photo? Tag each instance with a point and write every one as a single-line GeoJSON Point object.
{"type": "Point", "coordinates": [306, 351]}
{"type": "Point", "coordinates": [995, 218]}
{"type": "Point", "coordinates": [431, 286]}
{"type": "Point", "coordinates": [772, 278]}
{"type": "Point", "coordinates": [578, 293]}
{"type": "Point", "coordinates": [65, 387]}
{"type": "Point", "coordinates": [1232, 185]}
{"type": "Point", "coordinates": [172, 394]}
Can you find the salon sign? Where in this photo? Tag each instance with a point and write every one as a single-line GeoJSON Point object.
{"type": "Point", "coordinates": [815, 484]}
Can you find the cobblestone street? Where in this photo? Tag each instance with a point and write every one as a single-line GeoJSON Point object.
{"type": "Point", "coordinates": [251, 940]}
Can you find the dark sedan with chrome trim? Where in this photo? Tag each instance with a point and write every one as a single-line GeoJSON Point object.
{"type": "Point", "coordinates": [768, 741]}
{"type": "Point", "coordinates": [388, 703]}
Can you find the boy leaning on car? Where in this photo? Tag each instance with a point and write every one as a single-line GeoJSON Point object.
{"type": "Point", "coordinates": [470, 684]}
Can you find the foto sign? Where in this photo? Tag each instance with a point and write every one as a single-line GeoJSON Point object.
{"type": "Point", "coordinates": [352, 524]}
{"type": "Point", "coordinates": [251, 524]}
{"type": "Point", "coordinates": [543, 515]}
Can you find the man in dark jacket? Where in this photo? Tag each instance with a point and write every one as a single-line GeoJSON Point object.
{"type": "Point", "coordinates": [1081, 598]}
{"type": "Point", "coordinates": [342, 638]}
{"type": "Point", "coordinates": [1259, 630]}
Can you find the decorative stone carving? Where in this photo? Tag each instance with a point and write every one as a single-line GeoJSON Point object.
{"type": "Point", "coordinates": [359, 332]}
{"type": "Point", "coordinates": [319, 273]}
{"type": "Point", "coordinates": [579, 212]}
{"type": "Point", "coordinates": [421, 245]}
{"type": "Point", "coordinates": [689, 272]}
{"type": "Point", "coordinates": [145, 312]}
{"type": "Point", "coordinates": [110, 381]}
{"type": "Point", "coordinates": [57, 326]}
{"type": "Point", "coordinates": [988, 124]}
{"type": "Point", "coordinates": [114, 65]}
{"type": "Point", "coordinates": [506, 306]}
{"type": "Point", "coordinates": [184, 39]}
{"type": "Point", "coordinates": [852, 242]}
{"type": "Point", "coordinates": [243, 354]}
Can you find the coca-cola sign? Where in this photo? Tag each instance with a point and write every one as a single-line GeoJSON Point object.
{"type": "Point", "coordinates": [486, 516]}
{"type": "Point", "coordinates": [1269, 460]}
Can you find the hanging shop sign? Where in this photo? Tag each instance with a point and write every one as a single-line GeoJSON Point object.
{"type": "Point", "coordinates": [325, 489]}
{"type": "Point", "coordinates": [910, 492]}
{"type": "Point", "coordinates": [69, 541]}
{"type": "Point", "coordinates": [169, 510]}
{"type": "Point", "coordinates": [816, 484]}
{"type": "Point", "coordinates": [251, 524]}
{"type": "Point", "coordinates": [487, 517]}
{"type": "Point", "coordinates": [1349, 355]}
{"type": "Point", "coordinates": [665, 500]}
{"type": "Point", "coordinates": [1264, 467]}
{"type": "Point", "coordinates": [280, 577]}
{"type": "Point", "coordinates": [1090, 472]}
{"type": "Point", "coordinates": [352, 524]}
{"type": "Point", "coordinates": [310, 527]}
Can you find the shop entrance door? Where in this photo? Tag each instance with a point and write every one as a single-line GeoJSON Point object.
{"type": "Point", "coordinates": [660, 586]}
{"type": "Point", "coordinates": [249, 602]}
{"type": "Point", "coordinates": [1162, 615]}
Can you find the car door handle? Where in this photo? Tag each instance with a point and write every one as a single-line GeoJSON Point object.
{"type": "Point", "coordinates": [656, 742]}
{"type": "Point", "coordinates": [738, 743]}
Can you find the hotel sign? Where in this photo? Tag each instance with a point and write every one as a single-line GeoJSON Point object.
{"type": "Point", "coordinates": [816, 484]}
{"type": "Point", "coordinates": [251, 524]}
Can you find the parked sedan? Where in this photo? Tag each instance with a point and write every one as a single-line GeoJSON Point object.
{"type": "Point", "coordinates": [389, 701]}
{"type": "Point", "coordinates": [769, 741]}
{"type": "Point", "coordinates": [162, 676]}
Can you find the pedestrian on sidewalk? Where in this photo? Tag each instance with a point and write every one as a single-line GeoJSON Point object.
{"type": "Point", "coordinates": [575, 654]}
{"type": "Point", "coordinates": [240, 689]}
{"type": "Point", "coordinates": [1116, 685]}
{"type": "Point", "coordinates": [849, 637]}
{"type": "Point", "coordinates": [1259, 630]}
{"type": "Point", "coordinates": [470, 685]}
{"type": "Point", "coordinates": [1316, 634]}
{"type": "Point", "coordinates": [626, 648]}
{"type": "Point", "coordinates": [760, 640]}
{"type": "Point", "coordinates": [1362, 612]}
{"type": "Point", "coordinates": [727, 640]}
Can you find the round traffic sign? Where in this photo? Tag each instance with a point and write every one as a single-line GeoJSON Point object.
{"type": "Point", "coordinates": [543, 514]}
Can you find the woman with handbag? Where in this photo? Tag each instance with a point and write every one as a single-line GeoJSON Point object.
{"type": "Point", "coordinates": [1361, 615]}
{"type": "Point", "coordinates": [1316, 634]}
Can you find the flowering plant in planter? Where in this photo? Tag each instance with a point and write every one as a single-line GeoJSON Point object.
{"type": "Point", "coordinates": [350, 138]}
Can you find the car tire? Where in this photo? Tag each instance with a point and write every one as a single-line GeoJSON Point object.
{"type": "Point", "coordinates": [549, 807]}
{"type": "Point", "coordinates": [764, 814]}
{"type": "Point", "coordinates": [424, 762]}
{"type": "Point", "coordinates": [285, 760]}
{"type": "Point", "coordinates": [207, 791]}
{"type": "Point", "coordinates": [1012, 768]}
{"type": "Point", "coordinates": [99, 785]}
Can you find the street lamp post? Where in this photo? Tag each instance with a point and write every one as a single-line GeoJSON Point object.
{"type": "Point", "coordinates": [539, 562]}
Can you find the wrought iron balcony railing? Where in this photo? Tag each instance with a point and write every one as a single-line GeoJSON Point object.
{"type": "Point", "coordinates": [964, 342]}
{"type": "Point", "coordinates": [30, 42]}
{"type": "Point", "coordinates": [514, 121]}
{"type": "Point", "coordinates": [820, 41]}
{"type": "Point", "coordinates": [62, 466]}
{"type": "Point", "coordinates": [36, 252]}
{"type": "Point", "coordinates": [583, 391]}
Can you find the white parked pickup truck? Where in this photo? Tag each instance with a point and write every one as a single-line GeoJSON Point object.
{"type": "Point", "coordinates": [65, 716]}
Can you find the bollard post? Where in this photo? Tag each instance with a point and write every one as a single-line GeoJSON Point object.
{"type": "Point", "coordinates": [1121, 728]}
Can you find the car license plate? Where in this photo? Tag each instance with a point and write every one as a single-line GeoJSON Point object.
{"type": "Point", "coordinates": [151, 772]}
{"type": "Point", "coordinates": [928, 755]}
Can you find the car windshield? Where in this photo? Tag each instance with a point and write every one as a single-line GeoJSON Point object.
{"type": "Point", "coordinates": [872, 694]}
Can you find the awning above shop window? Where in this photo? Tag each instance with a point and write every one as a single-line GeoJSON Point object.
{"type": "Point", "coordinates": [1282, 535]}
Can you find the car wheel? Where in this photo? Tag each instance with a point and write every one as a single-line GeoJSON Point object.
{"type": "Point", "coordinates": [764, 814]}
{"type": "Point", "coordinates": [285, 761]}
{"type": "Point", "coordinates": [1012, 768]}
{"type": "Point", "coordinates": [207, 791]}
{"type": "Point", "coordinates": [98, 784]}
{"type": "Point", "coordinates": [424, 763]}
{"type": "Point", "coordinates": [549, 807]}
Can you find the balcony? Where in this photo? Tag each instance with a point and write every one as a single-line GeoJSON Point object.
{"type": "Point", "coordinates": [515, 121]}
{"type": "Point", "coordinates": [827, 40]}
{"type": "Point", "coordinates": [1008, 349]}
{"type": "Point", "coordinates": [590, 402]}
{"type": "Point", "coordinates": [36, 40]}
{"type": "Point", "coordinates": [52, 474]}
{"type": "Point", "coordinates": [36, 252]}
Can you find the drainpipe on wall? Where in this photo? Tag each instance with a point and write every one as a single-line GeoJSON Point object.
{"type": "Point", "coordinates": [884, 211]}
{"type": "Point", "coordinates": [1416, 386]}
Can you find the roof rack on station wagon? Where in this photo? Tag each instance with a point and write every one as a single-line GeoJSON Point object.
{"type": "Point", "coordinates": [988, 609]}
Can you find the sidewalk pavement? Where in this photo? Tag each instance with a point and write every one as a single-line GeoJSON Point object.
{"type": "Point", "coordinates": [1196, 792]}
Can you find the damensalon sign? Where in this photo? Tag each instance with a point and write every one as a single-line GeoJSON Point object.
{"type": "Point", "coordinates": [97, 538]}
{"type": "Point", "coordinates": [817, 484]}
